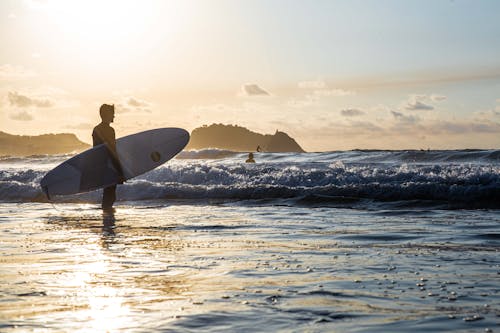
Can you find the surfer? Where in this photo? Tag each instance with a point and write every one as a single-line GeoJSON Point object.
{"type": "Point", "coordinates": [250, 158]}
{"type": "Point", "coordinates": [104, 133]}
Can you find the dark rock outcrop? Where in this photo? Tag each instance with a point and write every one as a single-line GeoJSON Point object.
{"type": "Point", "coordinates": [24, 145]}
{"type": "Point", "coordinates": [237, 138]}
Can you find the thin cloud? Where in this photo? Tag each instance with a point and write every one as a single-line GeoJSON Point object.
{"type": "Point", "coordinates": [487, 114]}
{"type": "Point", "coordinates": [23, 101]}
{"type": "Point", "coordinates": [334, 92]}
{"type": "Point", "coordinates": [352, 113]}
{"type": "Point", "coordinates": [419, 102]}
{"type": "Point", "coordinates": [460, 127]}
{"type": "Point", "coordinates": [11, 72]}
{"type": "Point", "coordinates": [437, 98]}
{"type": "Point", "coordinates": [312, 84]}
{"type": "Point", "coordinates": [308, 100]}
{"type": "Point", "coordinates": [133, 104]}
{"type": "Point", "coordinates": [416, 106]}
{"type": "Point", "coordinates": [21, 116]}
{"type": "Point", "coordinates": [365, 126]}
{"type": "Point", "coordinates": [416, 103]}
{"type": "Point", "coordinates": [320, 88]}
{"type": "Point", "coordinates": [409, 119]}
{"type": "Point", "coordinates": [254, 90]}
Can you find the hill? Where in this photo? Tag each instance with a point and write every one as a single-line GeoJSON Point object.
{"type": "Point", "coordinates": [23, 145]}
{"type": "Point", "coordinates": [239, 138]}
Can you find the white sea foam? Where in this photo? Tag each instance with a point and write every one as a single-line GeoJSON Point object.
{"type": "Point", "coordinates": [282, 176]}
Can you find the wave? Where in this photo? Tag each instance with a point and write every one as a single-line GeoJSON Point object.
{"type": "Point", "coordinates": [212, 153]}
{"type": "Point", "coordinates": [435, 156]}
{"type": "Point", "coordinates": [474, 156]}
{"type": "Point", "coordinates": [458, 186]}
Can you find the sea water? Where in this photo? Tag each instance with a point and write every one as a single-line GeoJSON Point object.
{"type": "Point", "coordinates": [359, 241]}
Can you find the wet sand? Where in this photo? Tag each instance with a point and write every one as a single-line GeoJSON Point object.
{"type": "Point", "coordinates": [176, 266]}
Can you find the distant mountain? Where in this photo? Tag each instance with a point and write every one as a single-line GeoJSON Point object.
{"type": "Point", "coordinates": [23, 145]}
{"type": "Point", "coordinates": [238, 138]}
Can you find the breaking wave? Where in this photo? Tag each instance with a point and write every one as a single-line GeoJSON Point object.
{"type": "Point", "coordinates": [314, 178]}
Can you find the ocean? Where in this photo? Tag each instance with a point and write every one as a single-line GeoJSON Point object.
{"type": "Point", "coordinates": [348, 241]}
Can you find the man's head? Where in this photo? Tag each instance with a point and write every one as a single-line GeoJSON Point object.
{"type": "Point", "coordinates": [107, 113]}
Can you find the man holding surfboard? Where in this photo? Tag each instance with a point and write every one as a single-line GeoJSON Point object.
{"type": "Point", "coordinates": [105, 134]}
{"type": "Point", "coordinates": [113, 161]}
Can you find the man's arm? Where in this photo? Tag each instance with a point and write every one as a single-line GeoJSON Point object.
{"type": "Point", "coordinates": [111, 144]}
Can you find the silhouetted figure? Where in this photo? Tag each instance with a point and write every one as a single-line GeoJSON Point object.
{"type": "Point", "coordinates": [258, 149]}
{"type": "Point", "coordinates": [103, 133]}
{"type": "Point", "coordinates": [250, 158]}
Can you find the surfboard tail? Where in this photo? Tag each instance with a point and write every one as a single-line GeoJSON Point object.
{"type": "Point", "coordinates": [46, 191]}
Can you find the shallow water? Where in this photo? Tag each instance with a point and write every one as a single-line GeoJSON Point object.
{"type": "Point", "coordinates": [170, 265]}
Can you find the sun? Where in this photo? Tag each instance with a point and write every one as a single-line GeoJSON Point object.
{"type": "Point", "coordinates": [110, 36]}
{"type": "Point", "coordinates": [99, 22]}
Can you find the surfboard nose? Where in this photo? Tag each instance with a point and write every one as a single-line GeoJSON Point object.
{"type": "Point", "coordinates": [184, 134]}
{"type": "Point", "coordinates": [181, 135]}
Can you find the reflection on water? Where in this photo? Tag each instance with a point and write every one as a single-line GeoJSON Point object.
{"type": "Point", "coordinates": [108, 224]}
{"type": "Point", "coordinates": [188, 267]}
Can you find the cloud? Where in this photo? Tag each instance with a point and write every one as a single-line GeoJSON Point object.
{"type": "Point", "coordinates": [308, 100]}
{"type": "Point", "coordinates": [11, 72]}
{"type": "Point", "coordinates": [408, 119]}
{"type": "Point", "coordinates": [253, 90]}
{"type": "Point", "coordinates": [414, 106]}
{"type": "Point", "coordinates": [418, 102]}
{"type": "Point", "coordinates": [132, 101]}
{"type": "Point", "coordinates": [365, 127]}
{"type": "Point", "coordinates": [437, 98]}
{"type": "Point", "coordinates": [21, 116]}
{"type": "Point", "coordinates": [352, 112]}
{"type": "Point", "coordinates": [23, 101]}
{"type": "Point", "coordinates": [312, 84]}
{"type": "Point", "coordinates": [415, 103]}
{"type": "Point", "coordinates": [133, 104]}
{"type": "Point", "coordinates": [320, 88]}
{"type": "Point", "coordinates": [334, 92]}
{"type": "Point", "coordinates": [488, 114]}
{"type": "Point", "coordinates": [314, 97]}
{"type": "Point", "coordinates": [461, 127]}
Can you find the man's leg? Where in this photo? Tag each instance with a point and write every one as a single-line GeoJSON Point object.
{"type": "Point", "coordinates": [108, 197]}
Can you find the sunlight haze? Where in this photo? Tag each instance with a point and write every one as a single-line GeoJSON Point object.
{"type": "Point", "coordinates": [332, 74]}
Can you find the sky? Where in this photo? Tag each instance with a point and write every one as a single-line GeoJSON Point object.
{"type": "Point", "coordinates": [334, 75]}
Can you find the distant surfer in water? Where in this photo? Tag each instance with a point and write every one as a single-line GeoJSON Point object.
{"type": "Point", "coordinates": [250, 158]}
{"type": "Point", "coordinates": [104, 133]}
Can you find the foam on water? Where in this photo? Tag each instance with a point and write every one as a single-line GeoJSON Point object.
{"type": "Point", "coordinates": [466, 178]}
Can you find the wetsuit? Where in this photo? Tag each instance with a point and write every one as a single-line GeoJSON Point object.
{"type": "Point", "coordinates": [103, 133]}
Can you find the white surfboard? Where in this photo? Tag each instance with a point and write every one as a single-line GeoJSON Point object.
{"type": "Point", "coordinates": [93, 168]}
